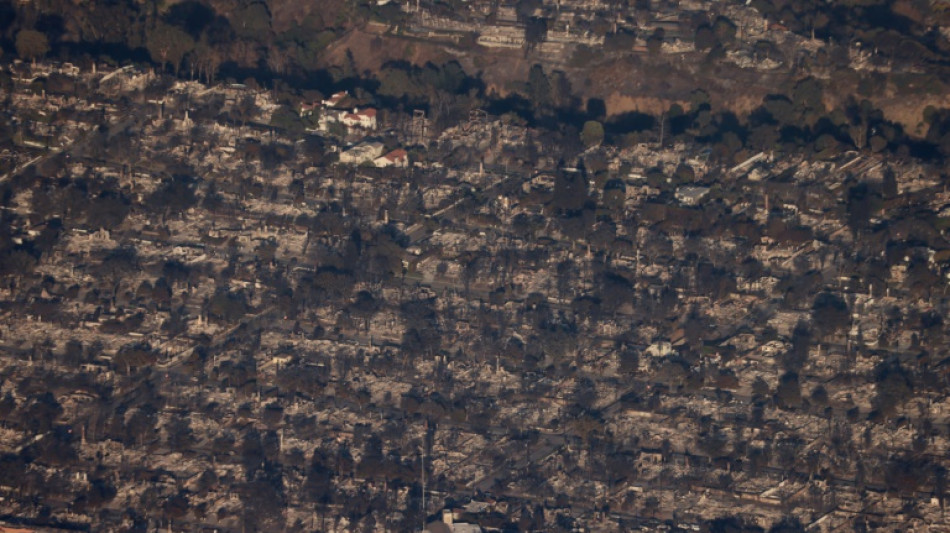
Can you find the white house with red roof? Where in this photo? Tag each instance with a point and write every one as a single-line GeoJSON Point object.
{"type": "Point", "coordinates": [332, 105]}
{"type": "Point", "coordinates": [334, 111]}
{"type": "Point", "coordinates": [336, 99]}
{"type": "Point", "coordinates": [395, 158]}
{"type": "Point", "coordinates": [361, 118]}
{"type": "Point", "coordinates": [306, 109]}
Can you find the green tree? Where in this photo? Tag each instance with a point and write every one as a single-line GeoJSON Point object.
{"type": "Point", "coordinates": [285, 117]}
{"type": "Point", "coordinates": [698, 99]}
{"type": "Point", "coordinates": [655, 41]}
{"type": "Point", "coordinates": [561, 92]}
{"type": "Point", "coordinates": [889, 185]}
{"type": "Point", "coordinates": [592, 134]}
{"type": "Point", "coordinates": [253, 21]}
{"type": "Point", "coordinates": [807, 95]}
{"type": "Point", "coordinates": [526, 8]}
{"type": "Point", "coordinates": [860, 207]}
{"type": "Point", "coordinates": [168, 45]}
{"type": "Point", "coordinates": [705, 37]}
{"type": "Point", "coordinates": [620, 41]}
{"type": "Point", "coordinates": [788, 394]}
{"type": "Point", "coordinates": [629, 361]}
{"type": "Point", "coordinates": [535, 31]}
{"type": "Point", "coordinates": [724, 29]}
{"type": "Point", "coordinates": [539, 87]}
{"type": "Point", "coordinates": [207, 59]}
{"type": "Point", "coordinates": [31, 44]}
{"type": "Point", "coordinates": [570, 190]}
{"type": "Point", "coordinates": [614, 194]}
{"type": "Point", "coordinates": [830, 313]}
{"type": "Point", "coordinates": [396, 82]}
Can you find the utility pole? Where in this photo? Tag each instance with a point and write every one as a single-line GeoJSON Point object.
{"type": "Point", "coordinates": [662, 127]}
{"type": "Point", "coordinates": [424, 484]}
{"type": "Point", "coordinates": [425, 437]}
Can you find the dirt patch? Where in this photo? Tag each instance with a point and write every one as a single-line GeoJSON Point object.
{"type": "Point", "coordinates": [285, 14]}
{"type": "Point", "coordinates": [372, 47]}
{"type": "Point", "coordinates": [502, 71]}
{"type": "Point", "coordinates": [621, 103]}
{"type": "Point", "coordinates": [909, 112]}
{"type": "Point", "coordinates": [634, 84]}
{"type": "Point", "coordinates": [906, 109]}
{"type": "Point", "coordinates": [625, 85]}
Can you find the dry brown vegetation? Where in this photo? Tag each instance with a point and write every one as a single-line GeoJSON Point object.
{"type": "Point", "coordinates": [626, 84]}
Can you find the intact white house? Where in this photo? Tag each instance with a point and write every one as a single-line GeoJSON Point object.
{"type": "Point", "coordinates": [335, 100]}
{"type": "Point", "coordinates": [395, 158]}
{"type": "Point", "coordinates": [360, 118]}
{"type": "Point", "coordinates": [333, 111]}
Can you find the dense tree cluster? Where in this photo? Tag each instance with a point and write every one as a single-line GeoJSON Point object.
{"type": "Point", "coordinates": [195, 38]}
